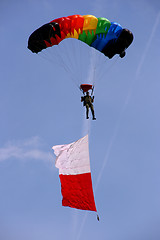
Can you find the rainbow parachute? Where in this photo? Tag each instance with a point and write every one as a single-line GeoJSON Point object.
{"type": "Point", "coordinates": [105, 36]}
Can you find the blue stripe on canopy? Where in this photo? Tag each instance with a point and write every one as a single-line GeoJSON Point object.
{"type": "Point", "coordinates": [103, 39]}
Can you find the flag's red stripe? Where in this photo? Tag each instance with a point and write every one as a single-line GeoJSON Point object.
{"type": "Point", "coordinates": [77, 191]}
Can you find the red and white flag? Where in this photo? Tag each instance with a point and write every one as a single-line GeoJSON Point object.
{"type": "Point", "coordinates": [75, 174]}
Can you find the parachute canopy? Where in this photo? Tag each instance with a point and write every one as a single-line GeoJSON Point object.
{"type": "Point", "coordinates": [105, 36]}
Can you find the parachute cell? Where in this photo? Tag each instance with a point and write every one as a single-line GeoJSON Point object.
{"type": "Point", "coordinates": [99, 33]}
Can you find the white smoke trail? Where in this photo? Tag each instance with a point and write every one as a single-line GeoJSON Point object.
{"type": "Point", "coordinates": [86, 125]}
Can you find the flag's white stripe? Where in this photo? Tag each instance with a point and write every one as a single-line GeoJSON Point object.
{"type": "Point", "coordinates": [73, 158]}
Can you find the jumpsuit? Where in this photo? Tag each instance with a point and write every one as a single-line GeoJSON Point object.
{"type": "Point", "coordinates": [88, 100]}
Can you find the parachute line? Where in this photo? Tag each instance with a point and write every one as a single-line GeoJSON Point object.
{"type": "Point", "coordinates": [50, 58]}
{"type": "Point", "coordinates": [106, 71]}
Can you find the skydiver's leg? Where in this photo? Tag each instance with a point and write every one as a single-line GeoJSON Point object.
{"type": "Point", "coordinates": [87, 111]}
{"type": "Point", "coordinates": [92, 110]}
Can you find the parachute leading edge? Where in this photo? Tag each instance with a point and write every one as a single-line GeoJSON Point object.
{"type": "Point", "coordinates": [105, 36]}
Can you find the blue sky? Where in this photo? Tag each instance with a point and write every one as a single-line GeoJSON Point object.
{"type": "Point", "coordinates": [40, 107]}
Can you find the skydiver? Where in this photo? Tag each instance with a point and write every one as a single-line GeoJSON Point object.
{"type": "Point", "coordinates": [88, 102]}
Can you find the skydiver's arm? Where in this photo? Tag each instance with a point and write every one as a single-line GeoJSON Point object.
{"type": "Point", "coordinates": [92, 99]}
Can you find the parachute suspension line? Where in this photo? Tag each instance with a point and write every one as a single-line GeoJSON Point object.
{"type": "Point", "coordinates": [44, 56]}
{"type": "Point", "coordinates": [104, 71]}
{"type": "Point", "coordinates": [59, 60]}
{"type": "Point", "coordinates": [96, 64]}
{"type": "Point", "coordinates": [98, 69]}
{"type": "Point", "coordinates": [79, 52]}
{"type": "Point", "coordinates": [74, 56]}
{"type": "Point", "coordinates": [59, 63]}
{"type": "Point", "coordinates": [94, 79]}
{"type": "Point", "coordinates": [86, 125]}
{"type": "Point", "coordinates": [59, 55]}
{"type": "Point", "coordinates": [49, 56]}
{"type": "Point", "coordinates": [68, 61]}
{"type": "Point", "coordinates": [108, 69]}
{"type": "Point", "coordinates": [80, 62]}
{"type": "Point", "coordinates": [71, 61]}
